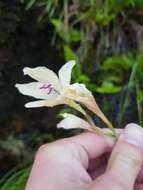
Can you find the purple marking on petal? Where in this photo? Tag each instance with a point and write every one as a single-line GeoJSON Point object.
{"type": "Point", "coordinates": [47, 87]}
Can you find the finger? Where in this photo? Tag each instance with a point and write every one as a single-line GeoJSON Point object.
{"type": "Point", "coordinates": [140, 176]}
{"type": "Point", "coordinates": [101, 160]}
{"type": "Point", "coordinates": [139, 186]}
{"type": "Point", "coordinates": [125, 161]}
{"type": "Point", "coordinates": [98, 171]}
{"type": "Point", "coordinates": [95, 145]}
{"type": "Point", "coordinates": [127, 157]}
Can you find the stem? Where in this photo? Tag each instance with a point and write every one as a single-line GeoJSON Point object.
{"type": "Point", "coordinates": [94, 127]}
{"type": "Point", "coordinates": [125, 101]}
{"type": "Point", "coordinates": [139, 107]}
{"type": "Point", "coordinates": [89, 119]}
{"type": "Point", "coordinates": [96, 110]}
{"type": "Point", "coordinates": [108, 123]}
{"type": "Point", "coordinates": [77, 107]}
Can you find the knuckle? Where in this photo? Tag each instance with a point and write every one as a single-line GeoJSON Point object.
{"type": "Point", "coordinates": [50, 150]}
{"type": "Point", "coordinates": [42, 148]}
{"type": "Point", "coordinates": [61, 141]}
{"type": "Point", "coordinates": [42, 151]}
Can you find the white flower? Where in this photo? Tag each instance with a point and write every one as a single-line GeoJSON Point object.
{"type": "Point", "coordinates": [73, 122]}
{"type": "Point", "coordinates": [51, 89]}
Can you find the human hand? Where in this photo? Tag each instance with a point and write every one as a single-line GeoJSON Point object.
{"type": "Point", "coordinates": [83, 163]}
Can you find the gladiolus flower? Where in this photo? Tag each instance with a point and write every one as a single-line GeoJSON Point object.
{"type": "Point", "coordinates": [73, 122]}
{"type": "Point", "coordinates": [52, 90]}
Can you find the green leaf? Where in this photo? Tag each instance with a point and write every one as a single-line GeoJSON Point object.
{"type": "Point", "coordinates": [69, 54]}
{"type": "Point", "coordinates": [139, 2]}
{"type": "Point", "coordinates": [30, 4]}
{"type": "Point", "coordinates": [57, 24]}
{"type": "Point", "coordinates": [120, 4]}
{"type": "Point", "coordinates": [117, 63]}
{"type": "Point", "coordinates": [83, 79]}
{"type": "Point", "coordinates": [63, 111]}
{"type": "Point", "coordinates": [74, 35]}
{"type": "Point", "coordinates": [108, 88]}
{"type": "Point", "coordinates": [16, 179]}
{"type": "Point", "coordinates": [104, 18]}
{"type": "Point", "coordinates": [139, 61]}
{"type": "Point", "coordinates": [66, 33]}
{"type": "Point", "coordinates": [140, 96]}
{"type": "Point", "coordinates": [89, 15]}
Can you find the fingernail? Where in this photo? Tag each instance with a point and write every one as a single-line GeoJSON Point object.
{"type": "Point", "coordinates": [133, 134]}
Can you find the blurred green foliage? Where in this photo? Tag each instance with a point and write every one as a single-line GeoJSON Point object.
{"type": "Point", "coordinates": [104, 37]}
{"type": "Point", "coordinates": [15, 179]}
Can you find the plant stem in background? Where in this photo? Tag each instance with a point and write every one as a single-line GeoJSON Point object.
{"type": "Point", "coordinates": [139, 106]}
{"type": "Point", "coordinates": [126, 99]}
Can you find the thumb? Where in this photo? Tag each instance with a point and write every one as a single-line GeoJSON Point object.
{"type": "Point", "coordinates": [125, 161]}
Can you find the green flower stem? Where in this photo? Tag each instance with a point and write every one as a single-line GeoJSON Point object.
{"type": "Point", "coordinates": [77, 107]}
{"type": "Point", "coordinates": [89, 119]}
{"type": "Point", "coordinates": [97, 111]}
{"type": "Point", "coordinates": [94, 127]}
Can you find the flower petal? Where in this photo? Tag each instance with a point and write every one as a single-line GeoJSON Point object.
{"type": "Point", "coordinates": [44, 103]}
{"type": "Point", "coordinates": [36, 90]}
{"type": "Point", "coordinates": [35, 104]}
{"type": "Point", "coordinates": [79, 93]}
{"type": "Point", "coordinates": [72, 122]}
{"type": "Point", "coordinates": [81, 90]}
{"type": "Point", "coordinates": [65, 73]}
{"type": "Point", "coordinates": [43, 74]}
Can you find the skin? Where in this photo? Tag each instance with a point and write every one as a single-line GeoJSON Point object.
{"type": "Point", "coordinates": [90, 162]}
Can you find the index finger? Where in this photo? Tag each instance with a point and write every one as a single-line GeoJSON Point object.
{"type": "Point", "coordinates": [95, 145]}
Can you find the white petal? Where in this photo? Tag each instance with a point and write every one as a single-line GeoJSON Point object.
{"type": "Point", "coordinates": [72, 122]}
{"type": "Point", "coordinates": [65, 73]}
{"type": "Point", "coordinates": [79, 99]}
{"type": "Point", "coordinates": [43, 74]}
{"type": "Point", "coordinates": [81, 90]}
{"type": "Point", "coordinates": [44, 103]}
{"type": "Point", "coordinates": [34, 89]}
{"type": "Point", "coordinates": [83, 95]}
{"type": "Point", "coordinates": [35, 104]}
{"type": "Point", "coordinates": [79, 93]}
